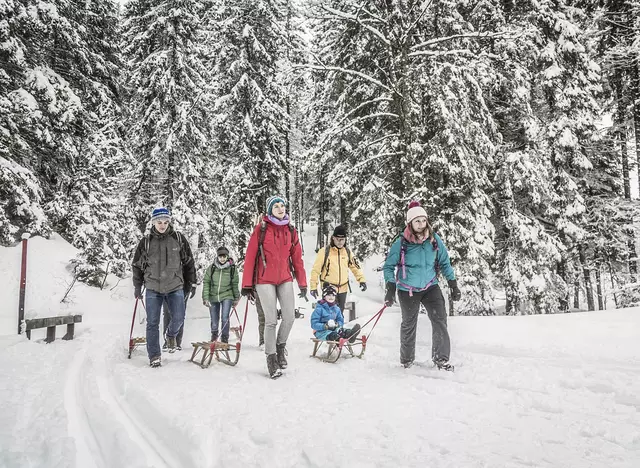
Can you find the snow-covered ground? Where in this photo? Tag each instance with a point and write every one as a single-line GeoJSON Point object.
{"type": "Point", "coordinates": [537, 391]}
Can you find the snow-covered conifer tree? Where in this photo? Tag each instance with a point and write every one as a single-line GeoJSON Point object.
{"type": "Point", "coordinates": [169, 99]}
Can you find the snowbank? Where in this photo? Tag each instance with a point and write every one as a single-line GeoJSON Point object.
{"type": "Point", "coordinates": [535, 391]}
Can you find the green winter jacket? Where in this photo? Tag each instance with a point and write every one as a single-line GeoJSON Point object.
{"type": "Point", "coordinates": [220, 282]}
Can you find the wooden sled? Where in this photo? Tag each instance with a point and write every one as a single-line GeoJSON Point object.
{"type": "Point", "coordinates": [335, 348]}
{"type": "Point", "coordinates": [135, 342]}
{"type": "Point", "coordinates": [221, 351]}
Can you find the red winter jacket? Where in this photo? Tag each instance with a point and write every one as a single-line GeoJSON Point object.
{"type": "Point", "coordinates": [278, 247]}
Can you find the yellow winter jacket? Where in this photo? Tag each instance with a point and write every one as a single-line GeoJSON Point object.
{"type": "Point", "coordinates": [336, 270]}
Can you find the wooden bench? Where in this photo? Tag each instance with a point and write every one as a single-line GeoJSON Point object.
{"type": "Point", "coordinates": [50, 323]}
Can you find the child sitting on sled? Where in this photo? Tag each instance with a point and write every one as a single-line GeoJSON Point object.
{"type": "Point", "coordinates": [327, 320]}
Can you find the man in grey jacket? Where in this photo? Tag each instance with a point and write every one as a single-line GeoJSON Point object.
{"type": "Point", "coordinates": [163, 263]}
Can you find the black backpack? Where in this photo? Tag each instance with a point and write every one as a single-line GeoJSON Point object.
{"type": "Point", "coordinates": [232, 270]}
{"type": "Point", "coordinates": [147, 241]}
{"type": "Point", "coordinates": [327, 263]}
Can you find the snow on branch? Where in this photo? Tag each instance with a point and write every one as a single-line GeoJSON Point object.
{"type": "Point", "coordinates": [346, 71]}
{"type": "Point", "coordinates": [477, 35]}
{"type": "Point", "coordinates": [356, 19]}
{"type": "Point", "coordinates": [444, 53]}
{"type": "Point", "coordinates": [360, 106]}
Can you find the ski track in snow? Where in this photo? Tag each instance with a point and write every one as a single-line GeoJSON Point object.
{"type": "Point", "coordinates": [76, 404]}
{"type": "Point", "coordinates": [139, 433]}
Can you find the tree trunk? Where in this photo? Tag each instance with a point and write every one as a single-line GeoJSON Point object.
{"type": "Point", "coordinates": [601, 304]}
{"type": "Point", "coordinates": [576, 293]}
{"type": "Point", "coordinates": [287, 154]}
{"type": "Point", "coordinates": [321, 215]}
{"type": "Point", "coordinates": [586, 271]}
{"type": "Point", "coordinates": [613, 285]}
{"type": "Point", "coordinates": [635, 100]}
{"type": "Point", "coordinates": [620, 121]}
{"type": "Point", "coordinates": [562, 272]}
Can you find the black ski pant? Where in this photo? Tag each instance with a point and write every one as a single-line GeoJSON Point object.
{"type": "Point", "coordinates": [166, 318]}
{"type": "Point", "coordinates": [341, 300]}
{"type": "Point", "coordinates": [433, 301]}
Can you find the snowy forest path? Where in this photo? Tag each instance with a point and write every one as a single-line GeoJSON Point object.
{"type": "Point", "coordinates": [75, 401]}
{"type": "Point", "coordinates": [90, 389]}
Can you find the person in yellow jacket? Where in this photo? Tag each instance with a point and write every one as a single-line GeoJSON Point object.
{"type": "Point", "coordinates": [333, 268]}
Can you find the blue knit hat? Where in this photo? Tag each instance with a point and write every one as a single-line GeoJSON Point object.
{"type": "Point", "coordinates": [273, 200]}
{"type": "Point", "coordinates": [160, 213]}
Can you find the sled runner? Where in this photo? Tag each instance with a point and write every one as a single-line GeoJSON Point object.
{"type": "Point", "coordinates": [334, 348]}
{"type": "Point", "coordinates": [221, 351]}
{"type": "Point", "coordinates": [226, 353]}
{"type": "Point", "coordinates": [137, 341]}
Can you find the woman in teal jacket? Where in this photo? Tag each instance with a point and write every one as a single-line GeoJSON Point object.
{"type": "Point", "coordinates": [220, 292]}
{"type": "Point", "coordinates": [412, 267]}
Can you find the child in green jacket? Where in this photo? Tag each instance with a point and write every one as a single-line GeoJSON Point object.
{"type": "Point", "coordinates": [220, 292]}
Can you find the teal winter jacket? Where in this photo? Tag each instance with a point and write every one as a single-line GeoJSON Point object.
{"type": "Point", "coordinates": [419, 264]}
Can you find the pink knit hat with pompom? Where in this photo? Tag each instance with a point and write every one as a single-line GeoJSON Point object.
{"type": "Point", "coordinates": [414, 211]}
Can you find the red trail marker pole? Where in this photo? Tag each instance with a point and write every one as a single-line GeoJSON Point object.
{"type": "Point", "coordinates": [23, 281]}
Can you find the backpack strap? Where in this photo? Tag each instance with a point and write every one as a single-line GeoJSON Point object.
{"type": "Point", "coordinates": [292, 231]}
{"type": "Point", "coordinates": [145, 260]}
{"type": "Point", "coordinates": [326, 263]}
{"type": "Point", "coordinates": [263, 229]}
{"type": "Point", "coordinates": [403, 252]}
{"type": "Point", "coordinates": [401, 265]}
{"type": "Point", "coordinates": [434, 244]}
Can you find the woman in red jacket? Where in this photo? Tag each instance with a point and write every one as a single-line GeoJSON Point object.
{"type": "Point", "coordinates": [274, 249]}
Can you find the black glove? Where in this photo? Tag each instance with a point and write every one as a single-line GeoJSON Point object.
{"type": "Point", "coordinates": [455, 291]}
{"type": "Point", "coordinates": [137, 292]}
{"type": "Point", "coordinates": [249, 293]}
{"type": "Point", "coordinates": [363, 286]}
{"type": "Point", "coordinates": [390, 294]}
{"type": "Point", "coordinates": [314, 294]}
{"type": "Point", "coordinates": [193, 291]}
{"type": "Point", "coordinates": [303, 293]}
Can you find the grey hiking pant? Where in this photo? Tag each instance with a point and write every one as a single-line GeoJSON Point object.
{"type": "Point", "coordinates": [269, 295]}
{"type": "Point", "coordinates": [433, 301]}
{"type": "Point", "coordinates": [260, 319]}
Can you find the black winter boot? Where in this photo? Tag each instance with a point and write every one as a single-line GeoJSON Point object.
{"type": "Point", "coordinates": [281, 351]}
{"type": "Point", "coordinates": [272, 366]}
{"type": "Point", "coordinates": [352, 334]}
{"type": "Point", "coordinates": [214, 336]}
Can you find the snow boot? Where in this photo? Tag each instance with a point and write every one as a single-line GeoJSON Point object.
{"type": "Point", "coordinates": [225, 339]}
{"type": "Point", "coordinates": [155, 362]}
{"type": "Point", "coordinates": [261, 346]}
{"type": "Point", "coordinates": [272, 366]}
{"type": "Point", "coordinates": [171, 344]}
{"type": "Point", "coordinates": [352, 334]}
{"type": "Point", "coordinates": [214, 336]}
{"type": "Point", "coordinates": [443, 364]}
{"type": "Point", "coordinates": [281, 351]}
{"type": "Point", "coordinates": [407, 364]}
